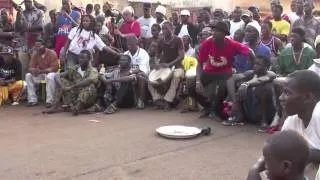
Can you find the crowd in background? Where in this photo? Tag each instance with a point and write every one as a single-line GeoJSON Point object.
{"type": "Point", "coordinates": [238, 66]}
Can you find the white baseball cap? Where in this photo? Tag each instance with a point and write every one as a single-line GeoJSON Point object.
{"type": "Point", "coordinates": [185, 12]}
{"type": "Point", "coordinates": [161, 9]}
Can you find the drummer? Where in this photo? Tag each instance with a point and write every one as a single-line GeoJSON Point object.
{"type": "Point", "coordinates": [171, 55]}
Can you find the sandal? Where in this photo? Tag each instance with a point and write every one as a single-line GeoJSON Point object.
{"type": "Point", "coordinates": [232, 122]}
{"type": "Point", "coordinates": [111, 109]}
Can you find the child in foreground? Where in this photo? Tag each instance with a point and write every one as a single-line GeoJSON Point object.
{"type": "Point", "coordinates": [285, 156]}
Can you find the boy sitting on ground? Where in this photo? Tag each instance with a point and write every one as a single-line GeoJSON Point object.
{"type": "Point", "coordinates": [285, 156]}
{"type": "Point", "coordinates": [254, 97]}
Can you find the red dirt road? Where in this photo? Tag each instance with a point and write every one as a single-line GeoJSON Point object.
{"type": "Point", "coordinates": [123, 146]}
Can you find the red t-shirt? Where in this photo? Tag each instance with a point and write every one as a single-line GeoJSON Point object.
{"type": "Point", "coordinates": [131, 27]}
{"type": "Point", "coordinates": [230, 49]}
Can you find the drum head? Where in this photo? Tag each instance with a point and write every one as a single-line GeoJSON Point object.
{"type": "Point", "coordinates": [178, 132]}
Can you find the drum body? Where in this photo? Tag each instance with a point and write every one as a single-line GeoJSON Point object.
{"type": "Point", "coordinates": [161, 79]}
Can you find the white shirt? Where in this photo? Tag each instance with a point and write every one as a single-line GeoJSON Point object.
{"type": "Point", "coordinates": [191, 52]}
{"type": "Point", "coordinates": [310, 133]}
{"type": "Point", "coordinates": [145, 25]}
{"type": "Point", "coordinates": [140, 58]}
{"type": "Point", "coordinates": [293, 17]}
{"type": "Point", "coordinates": [81, 72]}
{"type": "Point", "coordinates": [234, 26]}
{"type": "Point", "coordinates": [83, 41]}
{"type": "Point", "coordinates": [104, 31]}
{"type": "Point", "coordinates": [184, 31]}
{"type": "Point", "coordinates": [315, 69]}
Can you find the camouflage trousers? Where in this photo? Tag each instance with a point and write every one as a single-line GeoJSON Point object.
{"type": "Point", "coordinates": [79, 98]}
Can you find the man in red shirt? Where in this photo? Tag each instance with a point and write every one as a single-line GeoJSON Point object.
{"type": "Point", "coordinates": [215, 67]}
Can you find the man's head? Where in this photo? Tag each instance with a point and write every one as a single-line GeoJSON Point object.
{"type": "Point", "coordinates": [301, 89]}
{"type": "Point", "coordinates": [155, 30]}
{"type": "Point", "coordinates": [246, 16]}
{"type": "Point", "coordinates": [293, 5]}
{"type": "Point", "coordinates": [167, 29]}
{"type": "Point", "coordinates": [218, 15]}
{"type": "Point", "coordinates": [274, 2]}
{"type": "Point", "coordinates": [205, 14]}
{"type": "Point", "coordinates": [28, 4]}
{"type": "Point", "coordinates": [261, 65]}
{"type": "Point", "coordinates": [277, 11]}
{"type": "Point", "coordinates": [238, 35]}
{"type": "Point", "coordinates": [205, 33]}
{"type": "Point", "coordinates": [187, 41]}
{"type": "Point", "coordinates": [97, 8]}
{"type": "Point", "coordinates": [52, 15]}
{"type": "Point", "coordinates": [299, 6]}
{"type": "Point", "coordinates": [124, 61]}
{"type": "Point", "coordinates": [132, 43]}
{"type": "Point", "coordinates": [185, 14]}
{"type": "Point", "coordinates": [146, 10]}
{"type": "Point", "coordinates": [255, 12]}
{"type": "Point", "coordinates": [127, 13]}
{"type": "Point", "coordinates": [84, 58]}
{"type": "Point", "coordinates": [66, 5]}
{"type": "Point", "coordinates": [175, 17]}
{"type": "Point", "coordinates": [98, 26]}
{"type": "Point", "coordinates": [266, 28]}
{"type": "Point", "coordinates": [89, 9]}
{"type": "Point", "coordinates": [286, 155]}
{"type": "Point", "coordinates": [308, 7]}
{"type": "Point", "coordinates": [220, 31]}
{"type": "Point", "coordinates": [161, 12]}
{"type": "Point", "coordinates": [237, 14]}
{"type": "Point", "coordinates": [39, 46]}
{"type": "Point", "coordinates": [297, 36]}
{"type": "Point", "coordinates": [251, 34]}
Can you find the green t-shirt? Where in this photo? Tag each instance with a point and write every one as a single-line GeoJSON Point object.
{"type": "Point", "coordinates": [286, 59]}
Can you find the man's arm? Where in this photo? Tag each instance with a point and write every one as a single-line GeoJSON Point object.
{"type": "Point", "coordinates": [262, 80]}
{"type": "Point", "coordinates": [92, 78]}
{"type": "Point", "coordinates": [58, 78]}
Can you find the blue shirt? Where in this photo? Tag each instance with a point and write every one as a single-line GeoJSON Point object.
{"type": "Point", "coordinates": [241, 63]}
{"type": "Point", "coordinates": [65, 24]}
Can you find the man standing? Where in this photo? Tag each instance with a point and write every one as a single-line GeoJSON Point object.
{"type": "Point", "coordinates": [186, 28]}
{"type": "Point", "coordinates": [43, 67]}
{"type": "Point", "coordinates": [247, 19]}
{"type": "Point", "coordinates": [215, 66]}
{"type": "Point", "coordinates": [236, 22]}
{"type": "Point", "coordinates": [309, 23]}
{"type": "Point", "coordinates": [139, 63]}
{"type": "Point", "coordinates": [297, 11]}
{"type": "Point", "coordinates": [77, 86]}
{"type": "Point", "coordinates": [160, 14]}
{"type": "Point", "coordinates": [146, 22]}
{"type": "Point", "coordinates": [300, 99]}
{"type": "Point", "coordinates": [65, 22]}
{"type": "Point", "coordinates": [280, 27]}
{"type": "Point", "coordinates": [30, 22]}
{"type": "Point", "coordinates": [97, 11]}
{"type": "Point", "coordinates": [297, 55]}
{"type": "Point", "coordinates": [171, 55]}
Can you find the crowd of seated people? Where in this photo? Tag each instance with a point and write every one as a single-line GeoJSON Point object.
{"type": "Point", "coordinates": [103, 59]}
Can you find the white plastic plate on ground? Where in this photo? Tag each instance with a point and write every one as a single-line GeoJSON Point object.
{"type": "Point", "coordinates": [178, 132]}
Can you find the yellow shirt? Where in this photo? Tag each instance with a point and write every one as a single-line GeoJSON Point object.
{"type": "Point", "coordinates": [189, 62]}
{"type": "Point", "coordinates": [280, 27]}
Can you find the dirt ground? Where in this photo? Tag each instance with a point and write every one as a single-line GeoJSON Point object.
{"type": "Point", "coordinates": [123, 146]}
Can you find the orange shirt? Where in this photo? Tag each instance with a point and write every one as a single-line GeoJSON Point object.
{"type": "Point", "coordinates": [47, 61]}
